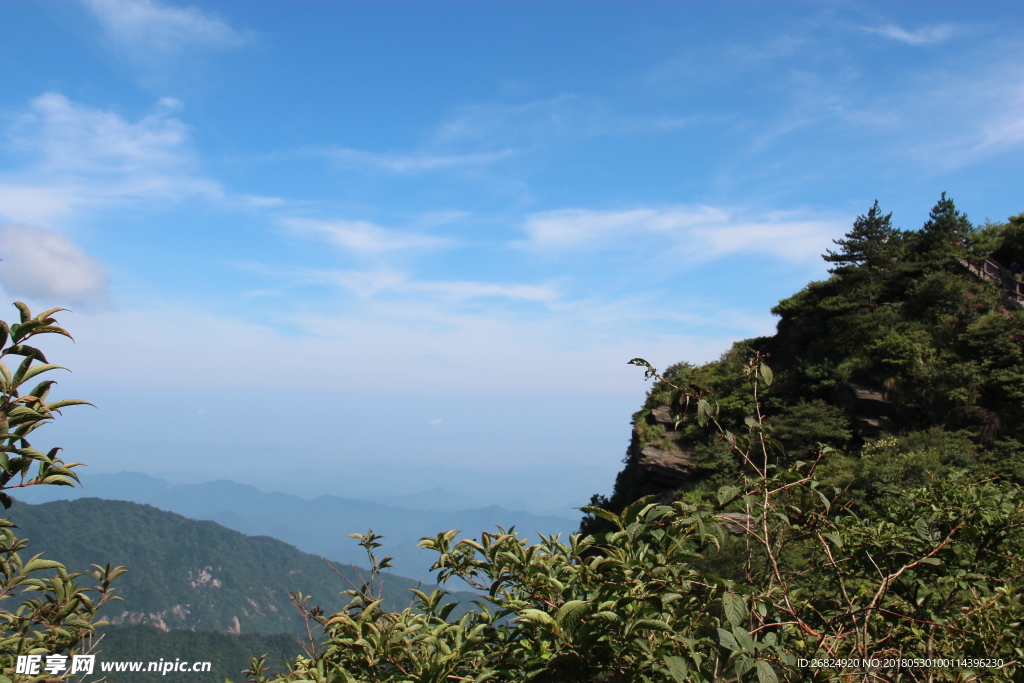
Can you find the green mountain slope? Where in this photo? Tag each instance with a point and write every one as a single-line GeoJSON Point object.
{"type": "Point", "coordinates": [909, 359]}
{"type": "Point", "coordinates": [319, 526]}
{"type": "Point", "coordinates": [191, 574]}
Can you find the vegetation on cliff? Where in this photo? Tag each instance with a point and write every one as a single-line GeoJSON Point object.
{"type": "Point", "coordinates": [903, 354]}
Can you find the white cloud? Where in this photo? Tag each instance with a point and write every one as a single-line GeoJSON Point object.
{"type": "Point", "coordinates": [69, 138]}
{"type": "Point", "coordinates": [481, 134]}
{"type": "Point", "coordinates": [78, 156]}
{"type": "Point", "coordinates": [39, 205]}
{"type": "Point", "coordinates": [151, 31]}
{"type": "Point", "coordinates": [565, 228]}
{"type": "Point", "coordinates": [363, 236]}
{"type": "Point", "coordinates": [365, 285]}
{"type": "Point", "coordinates": [40, 264]}
{"type": "Point", "coordinates": [953, 119]}
{"type": "Point", "coordinates": [383, 346]}
{"type": "Point", "coordinates": [922, 36]}
{"type": "Point", "coordinates": [702, 233]}
{"type": "Point", "coordinates": [410, 163]}
{"type": "Point", "coordinates": [561, 118]}
{"type": "Point", "coordinates": [1005, 125]}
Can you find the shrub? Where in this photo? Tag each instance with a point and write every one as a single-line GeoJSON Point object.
{"type": "Point", "coordinates": [43, 610]}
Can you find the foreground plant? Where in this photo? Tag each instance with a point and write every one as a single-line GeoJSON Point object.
{"type": "Point", "coordinates": [928, 590]}
{"type": "Point", "coordinates": [43, 610]}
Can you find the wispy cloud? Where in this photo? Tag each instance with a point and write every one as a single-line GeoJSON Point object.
{"type": "Point", "coordinates": [43, 265]}
{"type": "Point", "coordinates": [1005, 125]}
{"type": "Point", "coordinates": [367, 284]}
{"type": "Point", "coordinates": [410, 163]}
{"type": "Point", "coordinates": [922, 36]}
{"type": "Point", "coordinates": [561, 118]}
{"type": "Point", "coordinates": [150, 31]}
{"type": "Point", "coordinates": [701, 232]}
{"type": "Point", "coordinates": [40, 205]}
{"type": "Point", "coordinates": [574, 228]}
{"type": "Point", "coordinates": [76, 156]}
{"type": "Point", "coordinates": [482, 134]}
{"type": "Point", "coordinates": [364, 236]}
{"type": "Point", "coordinates": [950, 119]}
{"type": "Point", "coordinates": [68, 138]}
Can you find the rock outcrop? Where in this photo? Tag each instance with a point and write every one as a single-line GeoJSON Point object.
{"type": "Point", "coordinates": [671, 466]}
{"type": "Point", "coordinates": [868, 408]}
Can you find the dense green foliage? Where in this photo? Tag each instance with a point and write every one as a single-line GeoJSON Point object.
{"type": "Point", "coordinates": [192, 574]}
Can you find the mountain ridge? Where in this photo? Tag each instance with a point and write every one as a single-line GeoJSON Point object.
{"type": "Point", "coordinates": [194, 574]}
{"type": "Point", "coordinates": [320, 526]}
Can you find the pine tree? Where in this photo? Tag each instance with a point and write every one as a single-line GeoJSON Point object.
{"type": "Point", "coordinates": [866, 244]}
{"type": "Point", "coordinates": [944, 233]}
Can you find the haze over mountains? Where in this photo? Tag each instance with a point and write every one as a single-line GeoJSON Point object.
{"type": "Point", "coordinates": [320, 526]}
{"type": "Point", "coordinates": [548, 490]}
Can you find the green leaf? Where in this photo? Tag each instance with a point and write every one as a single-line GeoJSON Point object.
{"type": "Point", "coordinates": [37, 563]}
{"type": "Point", "coordinates": [727, 493]}
{"type": "Point", "coordinates": [39, 369]}
{"type": "Point", "coordinates": [652, 625]}
{"type": "Point", "coordinates": [43, 317]}
{"type": "Point", "coordinates": [26, 314]}
{"type": "Point", "coordinates": [744, 639]}
{"type": "Point", "coordinates": [765, 672]}
{"type": "Point", "coordinates": [57, 405]}
{"type": "Point", "coordinates": [742, 666]}
{"type": "Point", "coordinates": [726, 640]}
{"type": "Point", "coordinates": [677, 668]}
{"type": "Point", "coordinates": [537, 616]}
{"type": "Point", "coordinates": [569, 615]}
{"type": "Point", "coordinates": [735, 608]}
{"type": "Point", "coordinates": [766, 374]}
{"type": "Point", "coordinates": [24, 350]}
{"type": "Point", "coordinates": [446, 610]}
{"type": "Point", "coordinates": [703, 412]}
{"type": "Point", "coordinates": [603, 514]}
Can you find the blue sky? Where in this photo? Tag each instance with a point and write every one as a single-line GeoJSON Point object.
{"type": "Point", "coordinates": [312, 234]}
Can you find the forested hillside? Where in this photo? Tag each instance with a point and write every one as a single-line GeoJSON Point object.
{"type": "Point", "coordinates": [320, 526]}
{"type": "Point", "coordinates": [904, 360]}
{"type": "Point", "coordinates": [188, 574]}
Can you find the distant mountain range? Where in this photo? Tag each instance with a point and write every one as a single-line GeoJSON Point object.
{"type": "Point", "coordinates": [188, 574]}
{"type": "Point", "coordinates": [320, 526]}
{"type": "Point", "coordinates": [543, 490]}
